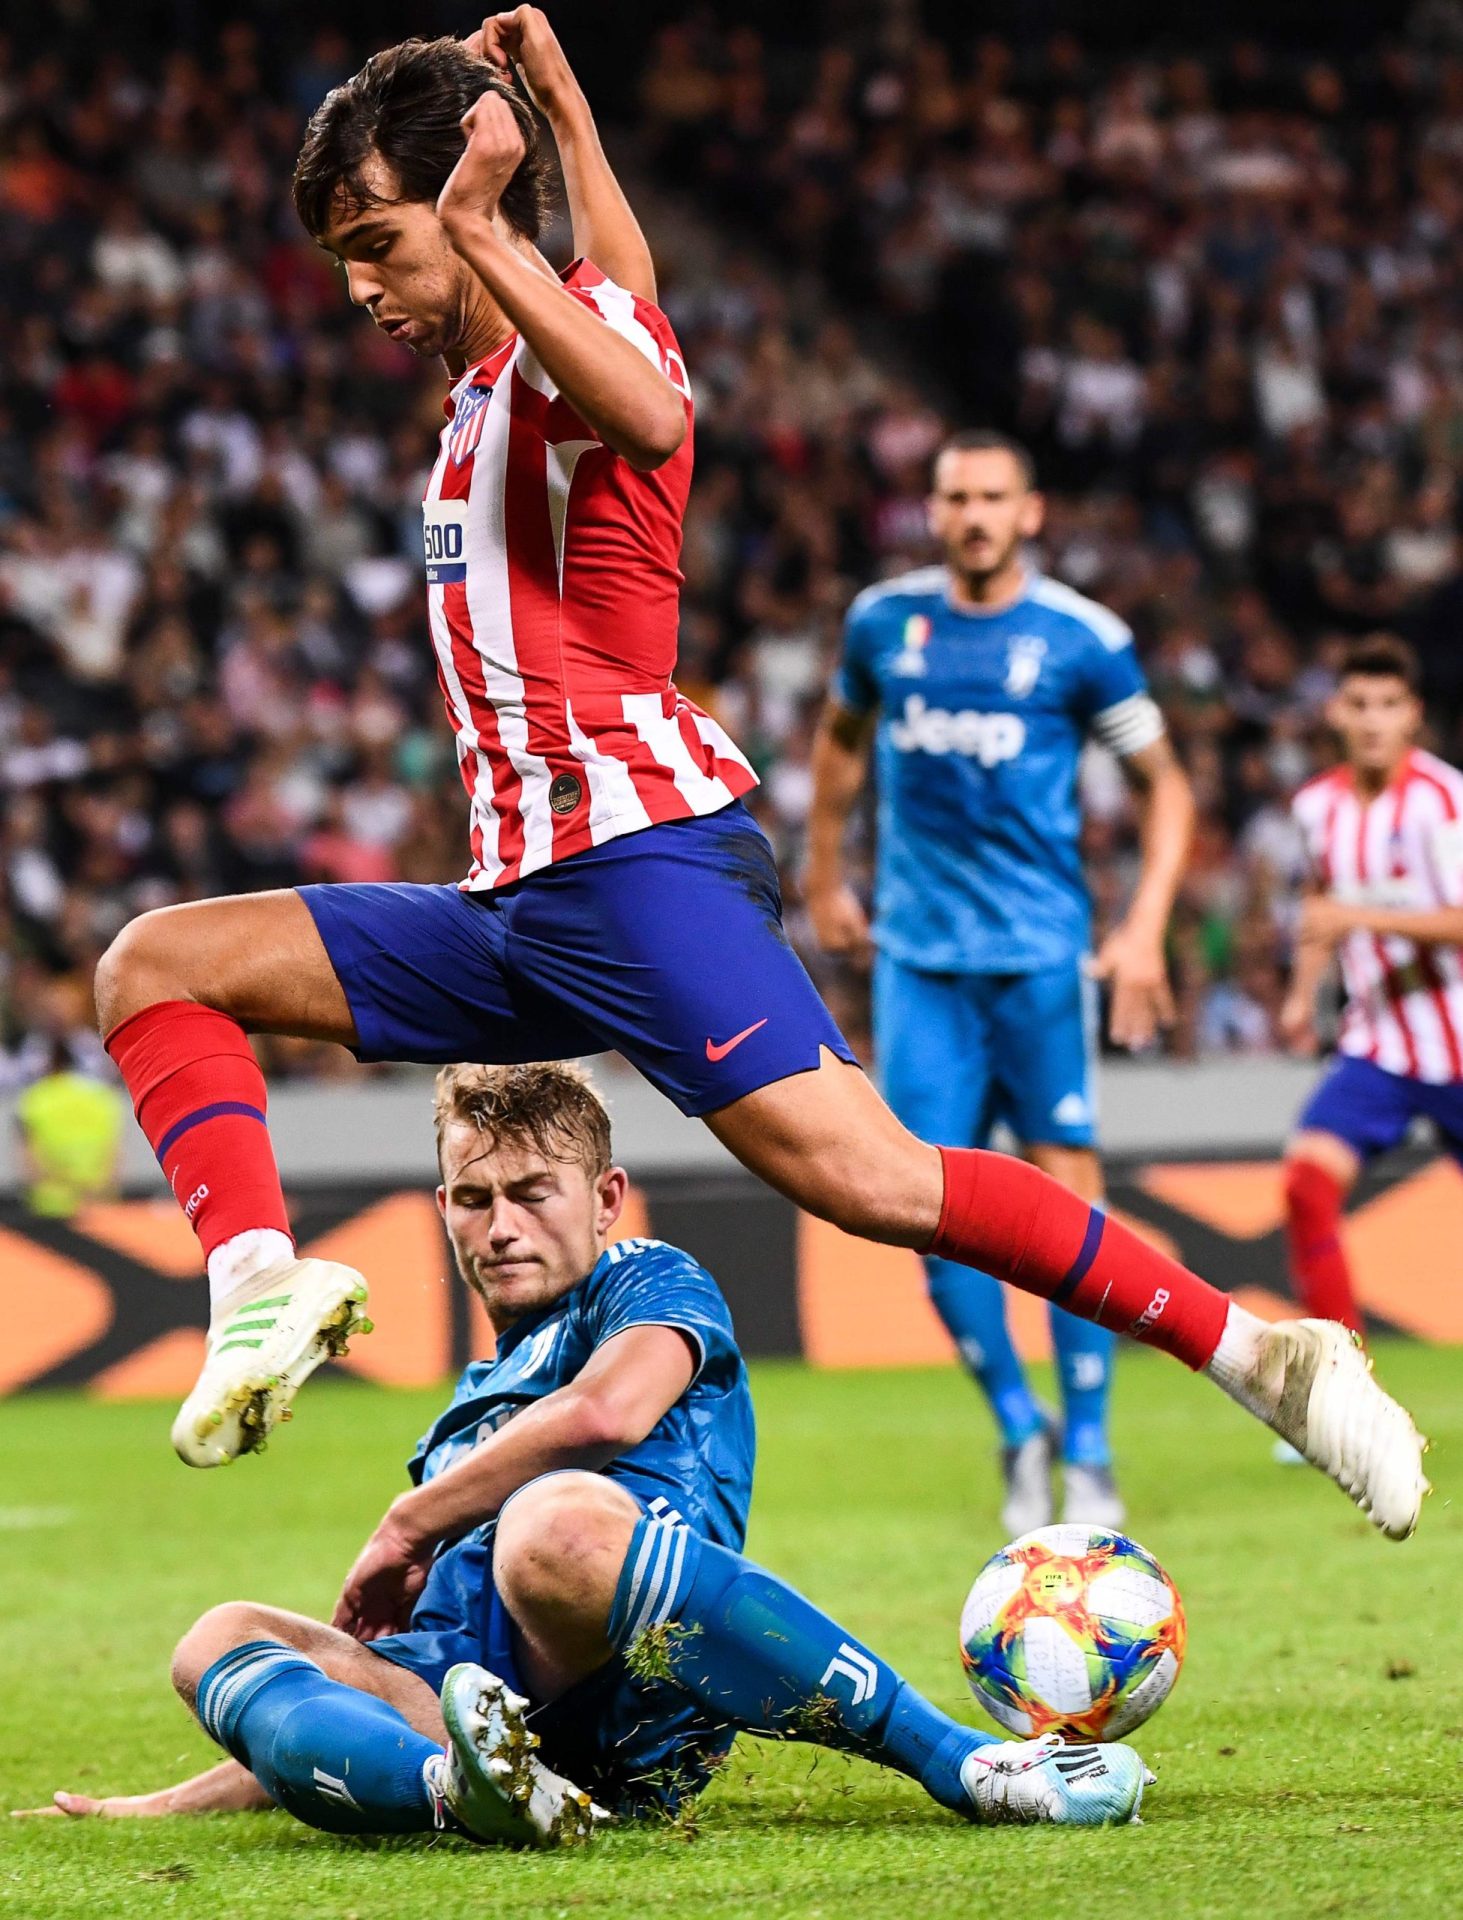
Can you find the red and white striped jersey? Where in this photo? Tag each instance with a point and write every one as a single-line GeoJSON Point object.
{"type": "Point", "coordinates": [1404, 849]}
{"type": "Point", "coordinates": [553, 594]}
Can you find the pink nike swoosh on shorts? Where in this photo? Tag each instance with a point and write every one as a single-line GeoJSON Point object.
{"type": "Point", "coordinates": [715, 1052]}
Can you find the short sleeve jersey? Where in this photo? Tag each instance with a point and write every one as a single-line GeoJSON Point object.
{"type": "Point", "coordinates": [697, 1460]}
{"type": "Point", "coordinates": [982, 720]}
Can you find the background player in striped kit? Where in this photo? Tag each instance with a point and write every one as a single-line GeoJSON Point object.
{"type": "Point", "coordinates": [1384, 831]}
{"type": "Point", "coordinates": [981, 681]}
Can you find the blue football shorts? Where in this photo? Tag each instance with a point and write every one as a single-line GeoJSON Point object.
{"type": "Point", "coordinates": [638, 1746]}
{"type": "Point", "coordinates": [1371, 1109]}
{"type": "Point", "coordinates": [960, 1051]}
{"type": "Point", "coordinates": [666, 946]}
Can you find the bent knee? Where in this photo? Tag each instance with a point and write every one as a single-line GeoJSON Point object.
{"type": "Point", "coordinates": [1314, 1160]}
{"type": "Point", "coordinates": [137, 969]}
{"type": "Point", "coordinates": [234, 1623]}
{"type": "Point", "coordinates": [556, 1530]}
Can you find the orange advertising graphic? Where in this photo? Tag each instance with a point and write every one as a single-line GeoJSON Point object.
{"type": "Point", "coordinates": [114, 1300]}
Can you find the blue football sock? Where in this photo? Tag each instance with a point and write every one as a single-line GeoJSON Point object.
{"type": "Point", "coordinates": [332, 1756]}
{"type": "Point", "coordinates": [1085, 1366]}
{"type": "Point", "coordinates": [973, 1308]}
{"type": "Point", "coordinates": [757, 1655]}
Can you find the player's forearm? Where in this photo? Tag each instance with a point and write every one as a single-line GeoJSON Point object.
{"type": "Point", "coordinates": [605, 228]}
{"type": "Point", "coordinates": [1430, 927]}
{"type": "Point", "coordinates": [840, 767]}
{"type": "Point", "coordinates": [1166, 832]}
{"type": "Point", "coordinates": [1309, 967]}
{"type": "Point", "coordinates": [627, 401]}
{"type": "Point", "coordinates": [563, 1430]}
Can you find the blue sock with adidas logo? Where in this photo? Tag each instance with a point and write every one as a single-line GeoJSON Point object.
{"type": "Point", "coordinates": [332, 1756]}
{"type": "Point", "coordinates": [757, 1655]}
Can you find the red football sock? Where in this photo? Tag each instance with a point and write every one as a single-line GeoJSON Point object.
{"type": "Point", "coordinates": [1022, 1226]}
{"type": "Point", "coordinates": [1318, 1264]}
{"type": "Point", "coordinates": [199, 1097]}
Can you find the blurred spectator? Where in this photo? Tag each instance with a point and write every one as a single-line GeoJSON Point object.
{"type": "Point", "coordinates": [70, 1133]}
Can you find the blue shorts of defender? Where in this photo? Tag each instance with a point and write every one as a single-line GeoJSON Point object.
{"type": "Point", "coordinates": [1371, 1109]}
{"type": "Point", "coordinates": [666, 946]}
{"type": "Point", "coordinates": [960, 1051]}
{"type": "Point", "coordinates": [638, 1746]}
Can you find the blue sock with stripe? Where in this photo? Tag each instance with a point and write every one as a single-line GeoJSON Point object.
{"type": "Point", "coordinates": [757, 1655]}
{"type": "Point", "coordinates": [973, 1308]}
{"type": "Point", "coordinates": [332, 1756]}
{"type": "Point", "coordinates": [1085, 1354]}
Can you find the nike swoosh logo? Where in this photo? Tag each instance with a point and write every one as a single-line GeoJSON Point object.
{"type": "Point", "coordinates": [715, 1052]}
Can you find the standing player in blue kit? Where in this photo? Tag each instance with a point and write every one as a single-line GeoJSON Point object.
{"type": "Point", "coordinates": [985, 680]}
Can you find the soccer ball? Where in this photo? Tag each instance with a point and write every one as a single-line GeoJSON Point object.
{"type": "Point", "coordinates": [1072, 1630]}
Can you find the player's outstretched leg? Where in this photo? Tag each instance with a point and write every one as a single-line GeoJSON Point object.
{"type": "Point", "coordinates": [828, 1141]}
{"type": "Point", "coordinates": [973, 1309]}
{"type": "Point", "coordinates": [1084, 1354]}
{"type": "Point", "coordinates": [753, 1652]}
{"type": "Point", "coordinates": [175, 993]}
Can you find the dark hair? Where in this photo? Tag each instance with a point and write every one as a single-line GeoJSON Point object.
{"type": "Point", "coordinates": [405, 105]}
{"type": "Point", "coordinates": [988, 440]}
{"type": "Point", "coordinates": [1382, 656]}
{"type": "Point", "coordinates": [549, 1105]}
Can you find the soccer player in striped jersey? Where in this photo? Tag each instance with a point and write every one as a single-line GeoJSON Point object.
{"type": "Point", "coordinates": [619, 896]}
{"type": "Point", "coordinates": [980, 681]}
{"type": "Point", "coordinates": [1384, 832]}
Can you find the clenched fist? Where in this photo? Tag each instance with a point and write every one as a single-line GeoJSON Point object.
{"type": "Point", "coordinates": [493, 154]}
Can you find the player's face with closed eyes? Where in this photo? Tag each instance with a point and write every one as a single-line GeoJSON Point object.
{"type": "Point", "coordinates": [525, 1228]}
{"type": "Point", "coordinates": [981, 510]}
{"type": "Point", "coordinates": [399, 266]}
{"type": "Point", "coordinates": [1377, 716]}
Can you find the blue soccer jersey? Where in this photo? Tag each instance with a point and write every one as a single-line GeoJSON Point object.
{"type": "Point", "coordinates": [698, 1458]}
{"type": "Point", "coordinates": [982, 718]}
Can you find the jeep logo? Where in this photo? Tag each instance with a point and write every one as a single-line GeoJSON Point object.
{"type": "Point", "coordinates": [987, 737]}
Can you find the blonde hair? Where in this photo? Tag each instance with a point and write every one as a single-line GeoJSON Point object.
{"type": "Point", "coordinates": [548, 1104]}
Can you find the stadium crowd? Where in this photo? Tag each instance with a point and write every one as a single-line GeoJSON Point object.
{"type": "Point", "coordinates": [1219, 297]}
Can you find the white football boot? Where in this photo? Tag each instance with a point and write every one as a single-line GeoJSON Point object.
{"type": "Point", "coordinates": [1311, 1383]}
{"type": "Point", "coordinates": [1090, 1497]}
{"type": "Point", "coordinates": [1053, 1782]}
{"type": "Point", "coordinates": [264, 1342]}
{"type": "Point", "coordinates": [491, 1780]}
{"type": "Point", "coordinates": [1027, 1470]}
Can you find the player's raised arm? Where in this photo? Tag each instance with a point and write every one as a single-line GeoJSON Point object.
{"type": "Point", "coordinates": [840, 768]}
{"type": "Point", "coordinates": [627, 1385]}
{"type": "Point", "coordinates": [1132, 956]}
{"type": "Point", "coordinates": [618, 390]}
{"type": "Point", "coordinates": [605, 228]}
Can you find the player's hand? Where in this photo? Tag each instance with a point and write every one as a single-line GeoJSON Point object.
{"type": "Point", "coordinates": [383, 1586]}
{"type": "Point", "coordinates": [524, 40]}
{"type": "Point", "coordinates": [1298, 1023]}
{"type": "Point", "coordinates": [492, 156]}
{"type": "Point", "coordinates": [1141, 1002]}
{"type": "Point", "coordinates": [1323, 921]}
{"type": "Point", "coordinates": [840, 924]}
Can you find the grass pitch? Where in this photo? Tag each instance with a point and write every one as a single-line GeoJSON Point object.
{"type": "Point", "coordinates": [1310, 1761]}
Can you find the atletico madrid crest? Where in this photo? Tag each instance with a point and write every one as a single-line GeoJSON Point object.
{"type": "Point", "coordinates": [467, 423]}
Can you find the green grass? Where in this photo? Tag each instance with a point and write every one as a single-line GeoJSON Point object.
{"type": "Point", "coordinates": [1310, 1760]}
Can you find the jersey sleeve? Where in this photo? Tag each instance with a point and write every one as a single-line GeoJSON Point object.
{"type": "Point", "coordinates": [1113, 698]}
{"type": "Point", "coordinates": [653, 1285]}
{"type": "Point", "coordinates": [855, 684]}
{"type": "Point", "coordinates": [643, 324]}
{"type": "Point", "coordinates": [1445, 850]}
